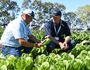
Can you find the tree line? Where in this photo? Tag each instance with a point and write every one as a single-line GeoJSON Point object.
{"type": "Point", "coordinates": [9, 9]}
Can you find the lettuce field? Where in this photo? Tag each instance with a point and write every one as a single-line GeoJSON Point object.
{"type": "Point", "coordinates": [38, 59]}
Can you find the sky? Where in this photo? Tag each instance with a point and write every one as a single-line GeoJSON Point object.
{"type": "Point", "coordinates": [71, 5]}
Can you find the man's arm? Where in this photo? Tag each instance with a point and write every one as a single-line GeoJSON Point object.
{"type": "Point", "coordinates": [33, 38]}
{"type": "Point", "coordinates": [63, 46]}
{"type": "Point", "coordinates": [67, 39]}
{"type": "Point", "coordinates": [24, 43]}
{"type": "Point", "coordinates": [47, 30]}
{"type": "Point", "coordinates": [54, 40]}
{"type": "Point", "coordinates": [67, 30]}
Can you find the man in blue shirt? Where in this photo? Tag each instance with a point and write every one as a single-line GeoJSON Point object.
{"type": "Point", "coordinates": [16, 35]}
{"type": "Point", "coordinates": [58, 32]}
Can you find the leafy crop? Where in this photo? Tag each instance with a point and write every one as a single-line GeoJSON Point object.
{"type": "Point", "coordinates": [38, 59]}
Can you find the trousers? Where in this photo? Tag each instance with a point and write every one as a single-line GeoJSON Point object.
{"type": "Point", "coordinates": [10, 50]}
{"type": "Point", "coordinates": [50, 46]}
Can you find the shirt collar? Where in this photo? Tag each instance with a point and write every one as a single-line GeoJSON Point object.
{"type": "Point", "coordinates": [23, 21]}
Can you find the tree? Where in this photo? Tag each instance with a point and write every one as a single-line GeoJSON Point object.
{"type": "Point", "coordinates": [71, 18]}
{"type": "Point", "coordinates": [84, 13]}
{"type": "Point", "coordinates": [8, 11]}
{"type": "Point", "coordinates": [42, 10]}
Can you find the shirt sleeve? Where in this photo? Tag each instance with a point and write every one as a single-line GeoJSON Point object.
{"type": "Point", "coordinates": [47, 30]}
{"type": "Point", "coordinates": [67, 30]}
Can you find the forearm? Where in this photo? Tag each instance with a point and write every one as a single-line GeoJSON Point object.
{"type": "Point", "coordinates": [54, 40]}
{"type": "Point", "coordinates": [33, 38]}
{"type": "Point", "coordinates": [24, 43]}
{"type": "Point", "coordinates": [67, 39]}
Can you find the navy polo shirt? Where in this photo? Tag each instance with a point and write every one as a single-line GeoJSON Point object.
{"type": "Point", "coordinates": [64, 30]}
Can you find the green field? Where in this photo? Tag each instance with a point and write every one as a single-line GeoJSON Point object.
{"type": "Point", "coordinates": [76, 59]}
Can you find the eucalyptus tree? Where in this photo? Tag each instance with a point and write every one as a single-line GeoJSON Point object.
{"type": "Point", "coordinates": [43, 10]}
{"type": "Point", "coordinates": [70, 17]}
{"type": "Point", "coordinates": [84, 13]}
{"type": "Point", "coordinates": [8, 11]}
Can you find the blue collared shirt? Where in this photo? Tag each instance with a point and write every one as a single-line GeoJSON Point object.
{"type": "Point", "coordinates": [16, 29]}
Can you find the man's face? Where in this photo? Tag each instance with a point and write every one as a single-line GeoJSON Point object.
{"type": "Point", "coordinates": [56, 19]}
{"type": "Point", "coordinates": [28, 18]}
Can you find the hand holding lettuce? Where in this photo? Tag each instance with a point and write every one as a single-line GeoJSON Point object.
{"type": "Point", "coordinates": [46, 41]}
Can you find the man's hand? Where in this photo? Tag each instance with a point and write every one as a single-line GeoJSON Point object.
{"type": "Point", "coordinates": [63, 46]}
{"type": "Point", "coordinates": [48, 36]}
{"type": "Point", "coordinates": [38, 45]}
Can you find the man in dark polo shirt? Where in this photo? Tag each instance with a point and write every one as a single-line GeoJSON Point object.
{"type": "Point", "coordinates": [58, 32]}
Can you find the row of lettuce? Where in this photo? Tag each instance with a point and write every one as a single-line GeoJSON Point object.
{"type": "Point", "coordinates": [76, 59]}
